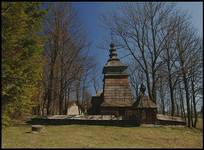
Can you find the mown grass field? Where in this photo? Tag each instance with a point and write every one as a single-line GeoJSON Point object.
{"type": "Point", "coordinates": [89, 136]}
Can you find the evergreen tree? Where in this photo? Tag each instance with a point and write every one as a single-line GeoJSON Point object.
{"type": "Point", "coordinates": [21, 56]}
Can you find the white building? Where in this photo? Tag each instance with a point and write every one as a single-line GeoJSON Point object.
{"type": "Point", "coordinates": [73, 108]}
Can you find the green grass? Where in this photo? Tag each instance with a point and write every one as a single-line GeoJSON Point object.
{"type": "Point", "coordinates": [199, 124]}
{"type": "Point", "coordinates": [85, 136]}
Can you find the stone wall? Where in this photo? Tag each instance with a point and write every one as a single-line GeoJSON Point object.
{"type": "Point", "coordinates": [36, 121]}
{"type": "Point", "coordinates": [170, 122]}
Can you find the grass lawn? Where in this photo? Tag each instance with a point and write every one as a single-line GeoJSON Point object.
{"type": "Point", "coordinates": [89, 136]}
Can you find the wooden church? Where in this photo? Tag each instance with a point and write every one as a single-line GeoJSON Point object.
{"type": "Point", "coordinates": [116, 98]}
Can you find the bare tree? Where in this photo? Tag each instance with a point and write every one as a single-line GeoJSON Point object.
{"type": "Point", "coordinates": [168, 50]}
{"type": "Point", "coordinates": [139, 29]}
{"type": "Point", "coordinates": [136, 75]}
{"type": "Point", "coordinates": [195, 78]}
{"type": "Point", "coordinates": [96, 78]}
{"type": "Point", "coordinates": [187, 44]}
{"type": "Point", "coordinates": [63, 50]}
{"type": "Point", "coordinates": [169, 58]}
{"type": "Point", "coordinates": [162, 88]}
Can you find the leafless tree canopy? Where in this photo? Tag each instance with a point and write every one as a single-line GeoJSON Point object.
{"type": "Point", "coordinates": [167, 52]}
{"type": "Point", "coordinates": [68, 67]}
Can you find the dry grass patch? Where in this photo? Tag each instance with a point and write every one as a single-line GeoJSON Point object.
{"type": "Point", "coordinates": [81, 136]}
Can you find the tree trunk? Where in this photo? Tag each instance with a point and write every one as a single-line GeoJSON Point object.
{"type": "Point", "coordinates": [67, 101]}
{"type": "Point", "coordinates": [182, 102]}
{"type": "Point", "coordinates": [154, 94]}
{"type": "Point", "coordinates": [77, 96]}
{"type": "Point", "coordinates": [49, 97]}
{"type": "Point", "coordinates": [172, 97]}
{"type": "Point", "coordinates": [194, 104]}
{"type": "Point", "coordinates": [187, 100]}
{"type": "Point", "coordinates": [161, 92]}
{"type": "Point", "coordinates": [148, 86]}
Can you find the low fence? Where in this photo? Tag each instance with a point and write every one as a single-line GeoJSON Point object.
{"type": "Point", "coordinates": [91, 121]}
{"type": "Point", "coordinates": [170, 122]}
{"type": "Point", "coordinates": [40, 121]}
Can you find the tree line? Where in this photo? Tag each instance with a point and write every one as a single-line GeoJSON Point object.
{"type": "Point", "coordinates": [68, 67]}
{"type": "Point", "coordinates": [166, 53]}
{"type": "Point", "coordinates": [45, 60]}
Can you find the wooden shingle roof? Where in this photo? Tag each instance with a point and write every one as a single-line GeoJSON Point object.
{"type": "Point", "coordinates": [145, 102]}
{"type": "Point", "coordinates": [114, 65]}
{"type": "Point", "coordinates": [116, 104]}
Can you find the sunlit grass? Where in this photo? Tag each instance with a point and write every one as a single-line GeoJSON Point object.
{"type": "Point", "coordinates": [199, 124]}
{"type": "Point", "coordinates": [81, 136]}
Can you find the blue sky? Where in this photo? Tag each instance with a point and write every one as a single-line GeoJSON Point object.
{"type": "Point", "coordinates": [89, 13]}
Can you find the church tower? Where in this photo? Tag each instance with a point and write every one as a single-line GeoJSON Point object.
{"type": "Point", "coordinates": [117, 97]}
